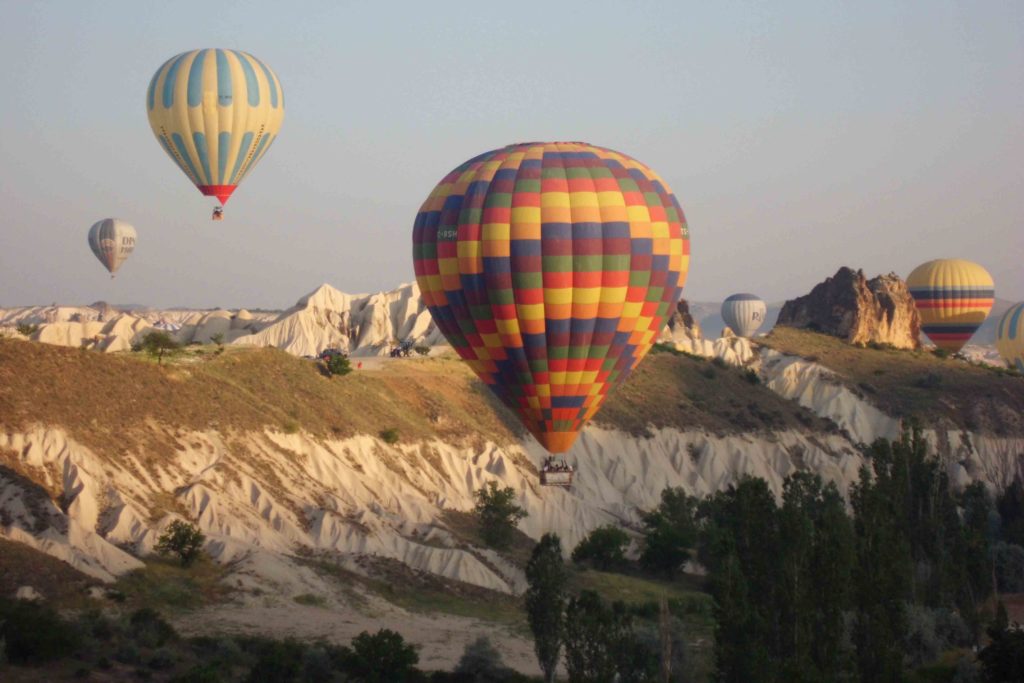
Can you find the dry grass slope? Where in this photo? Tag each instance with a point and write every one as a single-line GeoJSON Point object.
{"type": "Point", "coordinates": [916, 384]}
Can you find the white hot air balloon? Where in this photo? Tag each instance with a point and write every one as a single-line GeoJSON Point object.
{"type": "Point", "coordinates": [112, 240]}
{"type": "Point", "coordinates": [744, 313]}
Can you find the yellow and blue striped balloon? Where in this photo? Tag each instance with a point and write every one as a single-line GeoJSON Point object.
{"type": "Point", "coordinates": [1010, 336]}
{"type": "Point", "coordinates": [216, 113]}
{"type": "Point", "coordinates": [953, 297]}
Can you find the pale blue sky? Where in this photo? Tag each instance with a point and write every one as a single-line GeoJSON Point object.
{"type": "Point", "coordinates": [797, 138]}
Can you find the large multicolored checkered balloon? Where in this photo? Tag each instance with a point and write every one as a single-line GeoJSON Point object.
{"type": "Point", "coordinates": [551, 267]}
{"type": "Point", "coordinates": [953, 297]}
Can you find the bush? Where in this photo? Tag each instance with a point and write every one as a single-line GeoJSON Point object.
{"type": "Point", "coordinates": [422, 350]}
{"type": "Point", "coordinates": [278, 661]}
{"type": "Point", "coordinates": [26, 329]}
{"type": "Point", "coordinates": [751, 376]}
{"type": "Point", "coordinates": [603, 548]}
{"type": "Point", "coordinates": [200, 673]}
{"type": "Point", "coordinates": [34, 633]}
{"type": "Point", "coordinates": [162, 660]}
{"type": "Point", "coordinates": [158, 343]}
{"type": "Point", "coordinates": [181, 539]}
{"type": "Point", "coordinates": [931, 380]}
{"type": "Point", "coordinates": [338, 364]}
{"type": "Point", "coordinates": [149, 629]}
{"type": "Point", "coordinates": [481, 661]}
{"type": "Point", "coordinates": [382, 657]}
{"type": "Point", "coordinates": [1008, 559]}
{"type": "Point", "coordinates": [310, 600]}
{"type": "Point", "coordinates": [389, 436]}
{"type": "Point", "coordinates": [497, 514]}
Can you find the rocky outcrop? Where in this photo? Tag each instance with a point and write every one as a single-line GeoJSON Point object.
{"type": "Point", "coordinates": [681, 326]}
{"type": "Point", "coordinates": [861, 311]}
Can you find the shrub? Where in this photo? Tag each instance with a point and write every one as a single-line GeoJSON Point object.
{"type": "Point", "coordinates": [200, 673]}
{"type": "Point", "coordinates": [290, 426]}
{"type": "Point", "coordinates": [382, 657]}
{"type": "Point", "coordinates": [751, 376]}
{"type": "Point", "coordinates": [481, 660]}
{"type": "Point", "coordinates": [497, 514]}
{"type": "Point", "coordinates": [158, 343]}
{"type": "Point", "coordinates": [422, 350]}
{"type": "Point", "coordinates": [181, 539]}
{"type": "Point", "coordinates": [603, 548]}
{"type": "Point", "coordinates": [34, 633]}
{"type": "Point", "coordinates": [26, 329]}
{"type": "Point", "coordinates": [719, 362]}
{"type": "Point", "coordinates": [278, 661]}
{"type": "Point", "coordinates": [338, 364]}
{"type": "Point", "coordinates": [149, 629]}
{"type": "Point", "coordinates": [162, 660]}
{"type": "Point", "coordinates": [931, 380]}
{"type": "Point", "coordinates": [310, 599]}
{"type": "Point", "coordinates": [389, 436]}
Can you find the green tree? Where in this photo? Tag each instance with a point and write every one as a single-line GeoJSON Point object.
{"type": "Point", "coordinates": [497, 514]}
{"type": "Point", "coordinates": [157, 343]}
{"type": "Point", "coordinates": [1002, 661]}
{"type": "Point", "coordinates": [183, 540]}
{"type": "Point", "coordinates": [1011, 512]}
{"type": "Point", "coordinates": [338, 364]}
{"type": "Point", "coordinates": [600, 644]}
{"type": "Point", "coordinates": [481, 662]}
{"type": "Point", "coordinates": [670, 532]}
{"type": "Point", "coordinates": [547, 577]}
{"type": "Point", "coordinates": [603, 548]}
{"type": "Point", "coordinates": [26, 330]}
{"type": "Point", "coordinates": [382, 657]}
{"type": "Point", "coordinates": [882, 572]}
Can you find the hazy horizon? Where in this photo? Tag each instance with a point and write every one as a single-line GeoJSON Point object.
{"type": "Point", "coordinates": [798, 139]}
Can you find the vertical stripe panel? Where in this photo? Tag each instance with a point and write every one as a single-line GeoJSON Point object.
{"type": "Point", "coordinates": [223, 148]}
{"type": "Point", "coordinates": [223, 81]}
{"type": "Point", "coordinates": [195, 80]}
{"type": "Point", "coordinates": [243, 151]}
{"type": "Point", "coordinates": [199, 139]}
{"type": "Point", "coordinates": [169, 80]}
{"type": "Point", "coordinates": [270, 80]}
{"type": "Point", "coordinates": [252, 86]}
{"type": "Point", "coordinates": [179, 144]}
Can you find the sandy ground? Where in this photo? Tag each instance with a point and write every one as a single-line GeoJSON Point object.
{"type": "Point", "coordinates": [440, 638]}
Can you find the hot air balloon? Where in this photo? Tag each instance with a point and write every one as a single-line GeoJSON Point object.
{"type": "Point", "coordinates": [744, 313]}
{"type": "Point", "coordinates": [1010, 336]}
{"type": "Point", "coordinates": [216, 113]}
{"type": "Point", "coordinates": [113, 241]}
{"type": "Point", "coordinates": [551, 267]}
{"type": "Point", "coordinates": [953, 297]}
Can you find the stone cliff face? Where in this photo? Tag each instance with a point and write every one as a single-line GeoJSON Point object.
{"type": "Point", "coordinates": [861, 311]}
{"type": "Point", "coordinates": [681, 326]}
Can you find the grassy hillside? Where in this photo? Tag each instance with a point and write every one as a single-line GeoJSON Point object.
{"type": "Point", "coordinates": [123, 402]}
{"type": "Point", "coordinates": [916, 383]}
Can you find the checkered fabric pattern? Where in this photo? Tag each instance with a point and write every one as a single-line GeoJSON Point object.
{"type": "Point", "coordinates": [551, 267]}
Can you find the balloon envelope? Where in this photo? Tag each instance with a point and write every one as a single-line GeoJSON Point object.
{"type": "Point", "coordinates": [113, 241]}
{"type": "Point", "coordinates": [551, 267]}
{"type": "Point", "coordinates": [953, 297]}
{"type": "Point", "coordinates": [216, 113]}
{"type": "Point", "coordinates": [744, 313]}
{"type": "Point", "coordinates": [1010, 336]}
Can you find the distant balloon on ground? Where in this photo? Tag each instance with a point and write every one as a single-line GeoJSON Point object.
{"type": "Point", "coordinates": [1010, 336]}
{"type": "Point", "coordinates": [744, 313]}
{"type": "Point", "coordinates": [953, 297]}
{"type": "Point", "coordinates": [216, 113]}
{"type": "Point", "coordinates": [113, 241]}
{"type": "Point", "coordinates": [551, 268]}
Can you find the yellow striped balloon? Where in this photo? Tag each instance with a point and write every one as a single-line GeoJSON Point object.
{"type": "Point", "coordinates": [216, 113]}
{"type": "Point", "coordinates": [953, 297]}
{"type": "Point", "coordinates": [1010, 336]}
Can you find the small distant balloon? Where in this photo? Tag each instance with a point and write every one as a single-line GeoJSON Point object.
{"type": "Point", "coordinates": [953, 297]}
{"type": "Point", "coordinates": [216, 113]}
{"type": "Point", "coordinates": [1010, 336]}
{"type": "Point", "coordinates": [113, 241]}
{"type": "Point", "coordinates": [744, 313]}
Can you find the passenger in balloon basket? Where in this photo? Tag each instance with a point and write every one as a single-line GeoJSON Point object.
{"type": "Point", "coordinates": [218, 213]}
